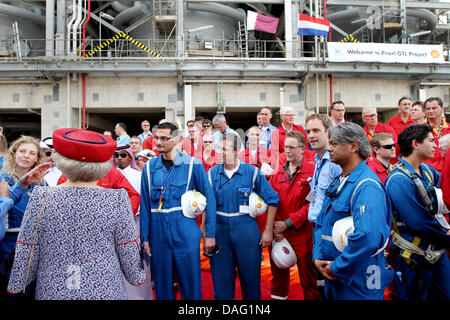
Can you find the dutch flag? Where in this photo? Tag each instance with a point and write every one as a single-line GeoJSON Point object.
{"type": "Point", "coordinates": [310, 26]}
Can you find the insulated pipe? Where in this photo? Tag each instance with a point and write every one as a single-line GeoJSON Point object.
{"type": "Point", "coordinates": [119, 7]}
{"type": "Point", "coordinates": [69, 26]}
{"type": "Point", "coordinates": [75, 26]}
{"type": "Point", "coordinates": [235, 14]}
{"type": "Point", "coordinates": [10, 10]}
{"type": "Point", "coordinates": [128, 14]}
{"type": "Point", "coordinates": [84, 26]}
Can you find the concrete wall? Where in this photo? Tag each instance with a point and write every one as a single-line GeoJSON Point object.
{"type": "Point", "coordinates": [61, 106]}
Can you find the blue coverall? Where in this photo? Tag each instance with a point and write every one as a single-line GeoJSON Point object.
{"type": "Point", "coordinates": [361, 274]}
{"type": "Point", "coordinates": [237, 233]}
{"type": "Point", "coordinates": [174, 239]}
{"type": "Point", "coordinates": [414, 220]}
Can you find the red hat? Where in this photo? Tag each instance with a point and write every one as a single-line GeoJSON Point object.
{"type": "Point", "coordinates": [83, 145]}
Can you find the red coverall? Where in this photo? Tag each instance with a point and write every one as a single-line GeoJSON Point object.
{"type": "Point", "coordinates": [293, 205]}
{"type": "Point", "coordinates": [114, 179]}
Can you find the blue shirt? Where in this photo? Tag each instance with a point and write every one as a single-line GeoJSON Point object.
{"type": "Point", "coordinates": [5, 205]}
{"type": "Point", "coordinates": [217, 135]}
{"type": "Point", "coordinates": [144, 136]}
{"type": "Point", "coordinates": [266, 134]}
{"type": "Point", "coordinates": [14, 214]}
{"type": "Point", "coordinates": [175, 181]}
{"type": "Point", "coordinates": [324, 173]}
{"type": "Point", "coordinates": [410, 214]}
{"type": "Point", "coordinates": [123, 139]}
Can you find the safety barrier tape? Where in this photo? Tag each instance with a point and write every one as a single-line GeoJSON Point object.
{"type": "Point", "coordinates": [122, 35]}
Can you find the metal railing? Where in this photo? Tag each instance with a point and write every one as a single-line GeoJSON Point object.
{"type": "Point", "coordinates": [123, 48]}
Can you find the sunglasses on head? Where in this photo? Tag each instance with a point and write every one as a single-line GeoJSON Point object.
{"type": "Point", "coordinates": [122, 155]}
{"type": "Point", "coordinates": [388, 146]}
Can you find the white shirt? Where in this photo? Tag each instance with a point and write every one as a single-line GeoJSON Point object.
{"type": "Point", "coordinates": [52, 177]}
{"type": "Point", "coordinates": [231, 172]}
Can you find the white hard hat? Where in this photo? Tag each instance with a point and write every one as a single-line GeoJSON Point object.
{"type": "Point", "coordinates": [266, 169]}
{"type": "Point", "coordinates": [256, 205]}
{"type": "Point", "coordinates": [342, 229]}
{"type": "Point", "coordinates": [442, 208]}
{"type": "Point", "coordinates": [193, 203]}
{"type": "Point", "coordinates": [283, 254]}
{"type": "Point", "coordinates": [146, 153]}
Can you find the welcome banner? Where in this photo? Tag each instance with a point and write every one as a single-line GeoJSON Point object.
{"type": "Point", "coordinates": [385, 52]}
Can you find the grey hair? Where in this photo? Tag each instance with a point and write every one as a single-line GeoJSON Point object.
{"type": "Point", "coordinates": [219, 118]}
{"type": "Point", "coordinates": [349, 132]}
{"type": "Point", "coordinates": [286, 109]}
{"type": "Point", "coordinates": [233, 138]}
{"type": "Point", "coordinates": [368, 108]}
{"type": "Point", "coordinates": [81, 171]}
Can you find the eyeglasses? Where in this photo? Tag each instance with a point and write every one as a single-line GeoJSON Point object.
{"type": "Point", "coordinates": [370, 115]}
{"type": "Point", "coordinates": [162, 138]}
{"type": "Point", "coordinates": [122, 155]}
{"type": "Point", "coordinates": [205, 141]}
{"type": "Point", "coordinates": [339, 110]}
{"type": "Point", "coordinates": [206, 125]}
{"type": "Point", "coordinates": [388, 146]}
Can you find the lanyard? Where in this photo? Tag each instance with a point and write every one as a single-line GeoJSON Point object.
{"type": "Point", "coordinates": [163, 186]}
{"type": "Point", "coordinates": [317, 173]}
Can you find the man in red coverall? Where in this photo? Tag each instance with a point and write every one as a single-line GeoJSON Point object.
{"type": "Point", "coordinates": [116, 180]}
{"type": "Point", "coordinates": [287, 115]}
{"type": "Point", "coordinates": [291, 220]}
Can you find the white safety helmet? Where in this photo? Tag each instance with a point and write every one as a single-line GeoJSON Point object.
{"type": "Point", "coordinates": [266, 169]}
{"type": "Point", "coordinates": [282, 254]}
{"type": "Point", "coordinates": [256, 205]}
{"type": "Point", "coordinates": [442, 208]}
{"type": "Point", "coordinates": [342, 229]}
{"type": "Point", "coordinates": [193, 203]}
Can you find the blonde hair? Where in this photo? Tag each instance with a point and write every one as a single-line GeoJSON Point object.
{"type": "Point", "coordinates": [10, 165]}
{"type": "Point", "coordinates": [81, 171]}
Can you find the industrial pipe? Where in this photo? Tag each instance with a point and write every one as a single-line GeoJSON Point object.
{"type": "Point", "coordinates": [235, 14]}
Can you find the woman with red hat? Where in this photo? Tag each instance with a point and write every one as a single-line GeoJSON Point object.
{"type": "Point", "coordinates": [77, 239]}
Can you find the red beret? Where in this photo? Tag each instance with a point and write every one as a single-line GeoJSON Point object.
{"type": "Point", "coordinates": [83, 145]}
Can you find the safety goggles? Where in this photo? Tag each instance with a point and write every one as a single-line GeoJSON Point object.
{"type": "Point", "coordinates": [123, 155]}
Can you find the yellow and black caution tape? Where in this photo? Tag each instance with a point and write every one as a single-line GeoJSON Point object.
{"type": "Point", "coordinates": [349, 38]}
{"type": "Point", "coordinates": [122, 35]}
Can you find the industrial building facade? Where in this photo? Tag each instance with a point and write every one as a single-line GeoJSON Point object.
{"type": "Point", "coordinates": [75, 63]}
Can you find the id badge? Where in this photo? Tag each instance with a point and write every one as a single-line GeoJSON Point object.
{"type": "Point", "coordinates": [243, 209]}
{"type": "Point", "coordinates": [311, 196]}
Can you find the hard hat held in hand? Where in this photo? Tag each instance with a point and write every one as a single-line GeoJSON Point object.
{"type": "Point", "coordinates": [283, 255]}
{"type": "Point", "coordinates": [256, 204]}
{"type": "Point", "coordinates": [266, 169]}
{"type": "Point", "coordinates": [442, 208]}
{"type": "Point", "coordinates": [342, 229]}
{"type": "Point", "coordinates": [193, 203]}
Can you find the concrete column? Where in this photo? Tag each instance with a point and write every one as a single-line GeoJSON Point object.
{"type": "Point", "coordinates": [189, 111]}
{"type": "Point", "coordinates": [60, 27]}
{"type": "Point", "coordinates": [49, 28]}
{"type": "Point", "coordinates": [180, 29]}
{"type": "Point", "coordinates": [288, 27]}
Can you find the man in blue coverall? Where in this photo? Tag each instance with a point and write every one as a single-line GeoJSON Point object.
{"type": "Point", "coordinates": [419, 277]}
{"type": "Point", "coordinates": [171, 238]}
{"type": "Point", "coordinates": [238, 235]}
{"type": "Point", "coordinates": [360, 271]}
